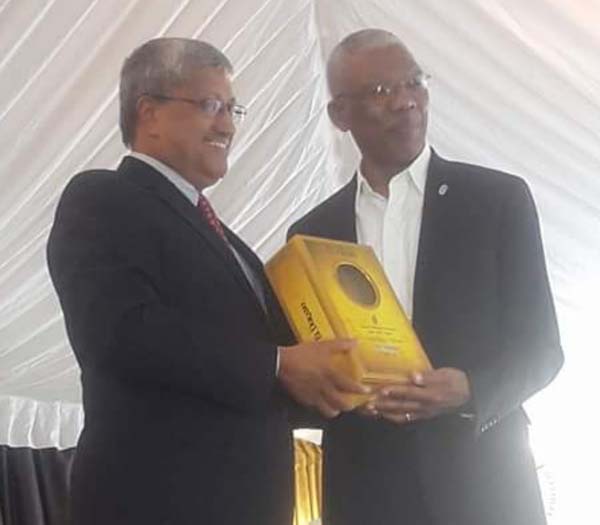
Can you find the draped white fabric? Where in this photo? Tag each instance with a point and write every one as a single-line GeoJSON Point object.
{"type": "Point", "coordinates": [516, 86]}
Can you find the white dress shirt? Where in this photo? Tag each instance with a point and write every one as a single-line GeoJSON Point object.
{"type": "Point", "coordinates": [391, 226]}
{"type": "Point", "coordinates": [171, 175]}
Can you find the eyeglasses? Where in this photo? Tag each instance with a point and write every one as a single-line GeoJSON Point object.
{"type": "Point", "coordinates": [209, 106]}
{"type": "Point", "coordinates": [381, 93]}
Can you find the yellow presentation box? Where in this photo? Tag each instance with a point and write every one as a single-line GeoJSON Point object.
{"type": "Point", "coordinates": [332, 289]}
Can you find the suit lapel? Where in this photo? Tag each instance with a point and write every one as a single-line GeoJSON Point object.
{"type": "Point", "coordinates": [255, 265]}
{"type": "Point", "coordinates": [436, 213]}
{"type": "Point", "coordinates": [148, 178]}
{"type": "Point", "coordinates": [343, 217]}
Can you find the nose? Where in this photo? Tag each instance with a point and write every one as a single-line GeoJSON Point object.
{"type": "Point", "coordinates": [223, 123]}
{"type": "Point", "coordinates": [403, 98]}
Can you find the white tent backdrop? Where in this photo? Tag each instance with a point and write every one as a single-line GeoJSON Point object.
{"type": "Point", "coordinates": [516, 86]}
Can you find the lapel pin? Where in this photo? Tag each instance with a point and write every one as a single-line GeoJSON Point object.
{"type": "Point", "coordinates": [443, 189]}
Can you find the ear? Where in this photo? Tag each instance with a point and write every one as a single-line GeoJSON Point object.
{"type": "Point", "coordinates": [339, 114]}
{"type": "Point", "coordinates": [146, 112]}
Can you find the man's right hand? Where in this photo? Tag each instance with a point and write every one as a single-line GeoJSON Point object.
{"type": "Point", "coordinates": [306, 372]}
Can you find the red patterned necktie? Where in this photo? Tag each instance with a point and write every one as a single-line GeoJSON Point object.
{"type": "Point", "coordinates": [206, 210]}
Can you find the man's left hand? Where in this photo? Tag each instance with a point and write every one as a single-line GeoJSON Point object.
{"type": "Point", "coordinates": [426, 395]}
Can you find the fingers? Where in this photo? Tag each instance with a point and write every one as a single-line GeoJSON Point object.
{"type": "Point", "coordinates": [346, 384]}
{"type": "Point", "coordinates": [405, 418]}
{"type": "Point", "coordinates": [407, 403]}
{"type": "Point", "coordinates": [395, 408]}
{"type": "Point", "coordinates": [408, 393]}
{"type": "Point", "coordinates": [308, 374]}
{"type": "Point", "coordinates": [335, 386]}
{"type": "Point", "coordinates": [395, 415]}
{"type": "Point", "coordinates": [331, 404]}
{"type": "Point", "coordinates": [337, 345]}
{"type": "Point", "coordinates": [418, 378]}
{"type": "Point", "coordinates": [326, 410]}
{"type": "Point", "coordinates": [367, 410]}
{"type": "Point", "coordinates": [336, 389]}
{"type": "Point", "coordinates": [399, 407]}
{"type": "Point", "coordinates": [424, 396]}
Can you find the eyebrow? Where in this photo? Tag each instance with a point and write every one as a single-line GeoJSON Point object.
{"type": "Point", "coordinates": [409, 75]}
{"type": "Point", "coordinates": [212, 94]}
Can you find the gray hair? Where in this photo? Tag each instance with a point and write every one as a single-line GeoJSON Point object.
{"type": "Point", "coordinates": [357, 42]}
{"type": "Point", "coordinates": [159, 66]}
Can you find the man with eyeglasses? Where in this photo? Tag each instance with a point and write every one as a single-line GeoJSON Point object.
{"type": "Point", "coordinates": [185, 389]}
{"type": "Point", "coordinates": [461, 246]}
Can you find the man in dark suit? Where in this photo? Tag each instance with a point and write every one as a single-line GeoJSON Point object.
{"type": "Point", "coordinates": [461, 246]}
{"type": "Point", "coordinates": [171, 319]}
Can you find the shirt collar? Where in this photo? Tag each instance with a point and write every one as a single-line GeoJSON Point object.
{"type": "Point", "coordinates": [190, 192]}
{"type": "Point", "coordinates": [417, 171]}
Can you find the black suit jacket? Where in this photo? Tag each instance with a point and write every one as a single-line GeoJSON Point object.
{"type": "Point", "coordinates": [184, 422]}
{"type": "Point", "coordinates": [482, 304]}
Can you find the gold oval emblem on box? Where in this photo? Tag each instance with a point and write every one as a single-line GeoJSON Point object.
{"type": "Point", "coordinates": [357, 285]}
